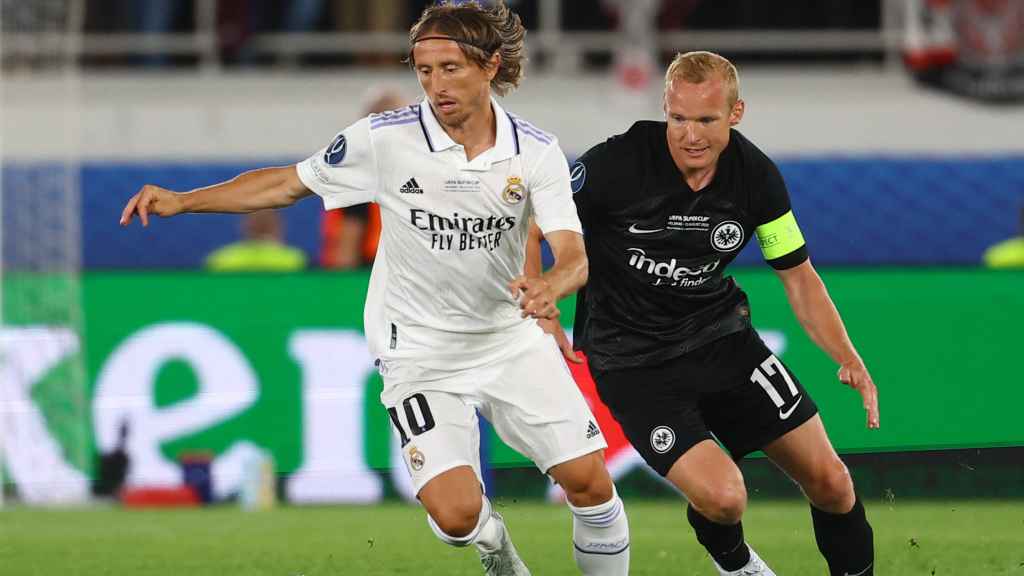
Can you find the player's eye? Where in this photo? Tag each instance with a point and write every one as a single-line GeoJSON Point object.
{"type": "Point", "coordinates": [451, 68]}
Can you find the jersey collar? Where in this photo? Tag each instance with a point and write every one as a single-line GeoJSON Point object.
{"type": "Point", "coordinates": [506, 139]}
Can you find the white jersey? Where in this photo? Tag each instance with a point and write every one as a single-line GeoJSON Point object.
{"type": "Point", "coordinates": [453, 231]}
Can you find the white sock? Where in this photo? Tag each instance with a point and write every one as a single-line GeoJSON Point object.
{"type": "Point", "coordinates": [487, 530]}
{"type": "Point", "coordinates": [600, 536]}
{"type": "Point", "coordinates": [488, 538]}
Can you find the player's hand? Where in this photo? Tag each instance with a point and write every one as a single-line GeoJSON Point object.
{"type": "Point", "coordinates": [536, 297]}
{"type": "Point", "coordinates": [855, 375]}
{"type": "Point", "coordinates": [553, 327]}
{"type": "Point", "coordinates": [151, 200]}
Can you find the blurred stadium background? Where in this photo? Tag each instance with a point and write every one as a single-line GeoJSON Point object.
{"type": "Point", "coordinates": [132, 376]}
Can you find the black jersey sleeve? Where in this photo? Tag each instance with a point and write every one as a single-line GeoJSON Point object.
{"type": "Point", "coordinates": [778, 234]}
{"type": "Point", "coordinates": [585, 177]}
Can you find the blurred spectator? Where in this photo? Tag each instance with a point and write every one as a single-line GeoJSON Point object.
{"type": "Point", "coordinates": [636, 56]}
{"type": "Point", "coordinates": [376, 16]}
{"type": "Point", "coordinates": [972, 48]}
{"type": "Point", "coordinates": [380, 15]}
{"type": "Point", "coordinates": [1008, 253]}
{"type": "Point", "coordinates": [261, 249]}
{"type": "Point", "coordinates": [350, 235]}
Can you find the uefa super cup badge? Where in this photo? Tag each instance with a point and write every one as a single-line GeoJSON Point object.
{"type": "Point", "coordinates": [514, 191]}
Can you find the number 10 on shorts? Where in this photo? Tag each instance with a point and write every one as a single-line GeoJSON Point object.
{"type": "Point", "coordinates": [761, 376]}
{"type": "Point", "coordinates": [418, 423]}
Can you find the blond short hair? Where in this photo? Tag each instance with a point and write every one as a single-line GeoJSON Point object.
{"type": "Point", "coordinates": [697, 67]}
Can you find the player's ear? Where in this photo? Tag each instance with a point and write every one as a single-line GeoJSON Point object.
{"type": "Point", "coordinates": [493, 65]}
{"type": "Point", "coordinates": [736, 114]}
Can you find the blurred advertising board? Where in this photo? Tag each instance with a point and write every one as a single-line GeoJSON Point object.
{"type": "Point", "coordinates": [231, 364]}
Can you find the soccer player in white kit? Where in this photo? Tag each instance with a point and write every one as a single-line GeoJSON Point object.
{"type": "Point", "coordinates": [449, 314]}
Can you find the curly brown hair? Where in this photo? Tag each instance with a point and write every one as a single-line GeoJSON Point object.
{"type": "Point", "coordinates": [480, 33]}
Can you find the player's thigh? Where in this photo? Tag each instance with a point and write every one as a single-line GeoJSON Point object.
{"type": "Point", "coordinates": [438, 431]}
{"type": "Point", "coordinates": [710, 479]}
{"type": "Point", "coordinates": [537, 409]}
{"type": "Point", "coordinates": [659, 417]}
{"type": "Point", "coordinates": [807, 456]}
{"type": "Point", "coordinates": [765, 403]}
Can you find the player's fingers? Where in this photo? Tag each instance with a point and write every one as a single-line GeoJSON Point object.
{"type": "Point", "coordinates": [544, 309]}
{"type": "Point", "coordinates": [517, 285]}
{"type": "Point", "coordinates": [567, 351]}
{"type": "Point", "coordinates": [571, 354]}
{"type": "Point", "coordinates": [537, 308]}
{"type": "Point", "coordinates": [143, 208]}
{"type": "Point", "coordinates": [870, 396]}
{"type": "Point", "coordinates": [129, 209]}
{"type": "Point", "coordinates": [529, 308]}
{"type": "Point", "coordinates": [845, 377]}
{"type": "Point", "coordinates": [874, 418]}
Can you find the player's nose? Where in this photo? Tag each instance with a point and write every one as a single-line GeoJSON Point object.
{"type": "Point", "coordinates": [690, 133]}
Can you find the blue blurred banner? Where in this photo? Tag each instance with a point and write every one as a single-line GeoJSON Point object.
{"type": "Point", "coordinates": [877, 210]}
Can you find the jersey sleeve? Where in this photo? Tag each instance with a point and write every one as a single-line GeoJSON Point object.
{"type": "Point", "coordinates": [344, 172]}
{"type": "Point", "coordinates": [584, 189]}
{"type": "Point", "coordinates": [550, 193]}
{"type": "Point", "coordinates": [778, 234]}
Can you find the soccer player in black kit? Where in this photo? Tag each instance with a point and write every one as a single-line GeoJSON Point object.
{"type": "Point", "coordinates": [665, 208]}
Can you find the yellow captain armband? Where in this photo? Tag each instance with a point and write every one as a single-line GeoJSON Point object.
{"type": "Point", "coordinates": [779, 237]}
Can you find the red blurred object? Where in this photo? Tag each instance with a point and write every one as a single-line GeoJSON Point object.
{"type": "Point", "coordinates": [613, 434]}
{"type": "Point", "coordinates": [176, 497]}
{"type": "Point", "coordinates": [334, 221]}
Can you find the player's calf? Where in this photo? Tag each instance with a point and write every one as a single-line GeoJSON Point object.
{"type": "Point", "coordinates": [846, 540]}
{"type": "Point", "coordinates": [491, 538]}
{"type": "Point", "coordinates": [459, 527]}
{"type": "Point", "coordinates": [600, 536]}
{"type": "Point", "coordinates": [600, 528]}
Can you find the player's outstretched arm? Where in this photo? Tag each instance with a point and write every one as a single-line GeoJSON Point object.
{"type": "Point", "coordinates": [248, 192]}
{"type": "Point", "coordinates": [814, 308]}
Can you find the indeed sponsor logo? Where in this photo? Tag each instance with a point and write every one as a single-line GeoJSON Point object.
{"type": "Point", "coordinates": [672, 271]}
{"type": "Point", "coordinates": [430, 222]}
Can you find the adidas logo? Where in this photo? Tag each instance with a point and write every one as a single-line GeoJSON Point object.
{"type": "Point", "coordinates": [410, 187]}
{"type": "Point", "coordinates": [592, 430]}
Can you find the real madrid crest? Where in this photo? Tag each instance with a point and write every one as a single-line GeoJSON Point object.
{"type": "Point", "coordinates": [514, 191]}
{"type": "Point", "coordinates": [416, 459]}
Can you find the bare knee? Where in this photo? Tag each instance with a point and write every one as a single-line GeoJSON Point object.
{"type": "Point", "coordinates": [457, 519]}
{"type": "Point", "coordinates": [589, 492]}
{"type": "Point", "coordinates": [722, 504]}
{"type": "Point", "coordinates": [586, 481]}
{"type": "Point", "coordinates": [830, 488]}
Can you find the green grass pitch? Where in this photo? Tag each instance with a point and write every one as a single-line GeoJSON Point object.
{"type": "Point", "coordinates": [964, 538]}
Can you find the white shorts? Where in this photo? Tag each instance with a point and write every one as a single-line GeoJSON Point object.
{"type": "Point", "coordinates": [530, 399]}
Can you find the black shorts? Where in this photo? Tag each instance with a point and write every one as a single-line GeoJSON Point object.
{"type": "Point", "coordinates": [733, 390]}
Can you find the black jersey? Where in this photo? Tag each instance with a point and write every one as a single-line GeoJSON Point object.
{"type": "Point", "coordinates": [658, 250]}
